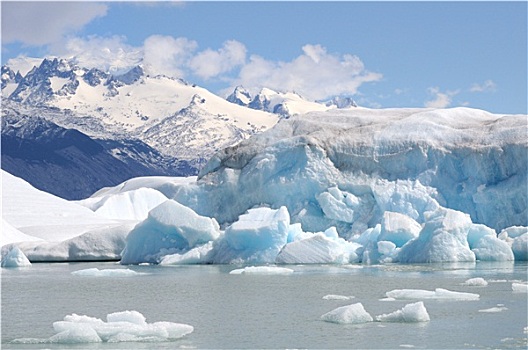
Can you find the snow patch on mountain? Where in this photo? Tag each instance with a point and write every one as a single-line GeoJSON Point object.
{"type": "Point", "coordinates": [136, 105]}
{"type": "Point", "coordinates": [286, 104]}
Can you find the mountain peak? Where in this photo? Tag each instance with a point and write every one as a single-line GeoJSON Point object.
{"type": "Point", "coordinates": [240, 96]}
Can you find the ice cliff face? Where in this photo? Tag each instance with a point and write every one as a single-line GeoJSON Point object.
{"type": "Point", "coordinates": [345, 168]}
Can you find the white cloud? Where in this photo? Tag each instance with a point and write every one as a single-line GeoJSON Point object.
{"type": "Point", "coordinates": [167, 55]}
{"type": "Point", "coordinates": [44, 23]}
{"type": "Point", "coordinates": [440, 99]}
{"type": "Point", "coordinates": [109, 53]}
{"type": "Point", "coordinates": [209, 63]}
{"type": "Point", "coordinates": [487, 86]}
{"type": "Point", "coordinates": [316, 74]}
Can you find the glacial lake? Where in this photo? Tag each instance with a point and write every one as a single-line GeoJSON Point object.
{"type": "Point", "coordinates": [271, 311]}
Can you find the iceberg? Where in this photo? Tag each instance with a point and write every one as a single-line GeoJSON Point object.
{"type": "Point", "coordinates": [442, 239]}
{"type": "Point", "coordinates": [125, 326]}
{"type": "Point", "coordinates": [438, 293]}
{"type": "Point", "coordinates": [318, 248]}
{"type": "Point", "coordinates": [95, 272]}
{"type": "Point", "coordinates": [257, 237]}
{"type": "Point", "coordinates": [15, 258]}
{"type": "Point", "coordinates": [517, 238]}
{"type": "Point", "coordinates": [477, 282]}
{"type": "Point", "coordinates": [520, 287]}
{"type": "Point", "coordinates": [495, 309]}
{"type": "Point", "coordinates": [169, 228]}
{"type": "Point", "coordinates": [337, 297]}
{"type": "Point", "coordinates": [409, 313]}
{"type": "Point", "coordinates": [262, 270]}
{"type": "Point", "coordinates": [354, 313]}
{"type": "Point", "coordinates": [101, 244]}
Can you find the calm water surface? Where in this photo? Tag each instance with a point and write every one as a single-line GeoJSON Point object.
{"type": "Point", "coordinates": [259, 311]}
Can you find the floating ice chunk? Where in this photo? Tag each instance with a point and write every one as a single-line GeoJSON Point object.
{"type": "Point", "coordinates": [442, 239]}
{"type": "Point", "coordinates": [398, 228]}
{"type": "Point", "coordinates": [438, 293]}
{"type": "Point", "coordinates": [103, 243]}
{"type": "Point", "coordinates": [495, 309]}
{"type": "Point", "coordinates": [337, 297]}
{"type": "Point", "coordinates": [262, 270]}
{"type": "Point", "coordinates": [409, 313]}
{"type": "Point", "coordinates": [170, 228]}
{"type": "Point", "coordinates": [477, 281]}
{"type": "Point", "coordinates": [520, 247]}
{"type": "Point", "coordinates": [490, 248]}
{"type": "Point", "coordinates": [318, 249]}
{"type": "Point", "coordinates": [15, 258]}
{"type": "Point", "coordinates": [260, 228]}
{"type": "Point", "coordinates": [484, 243]}
{"type": "Point", "coordinates": [257, 237]}
{"type": "Point", "coordinates": [354, 313]}
{"type": "Point", "coordinates": [476, 232]}
{"type": "Point", "coordinates": [122, 326]}
{"type": "Point", "coordinates": [95, 272]}
{"type": "Point", "coordinates": [197, 255]}
{"type": "Point", "coordinates": [520, 287]}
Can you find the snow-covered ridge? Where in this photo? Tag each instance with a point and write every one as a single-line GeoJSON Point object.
{"type": "Point", "coordinates": [286, 104]}
{"type": "Point", "coordinates": [171, 115]}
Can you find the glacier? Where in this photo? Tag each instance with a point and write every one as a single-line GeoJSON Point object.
{"type": "Point", "coordinates": [342, 186]}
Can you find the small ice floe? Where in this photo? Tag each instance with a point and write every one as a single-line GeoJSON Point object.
{"type": "Point", "coordinates": [337, 297]}
{"type": "Point", "coordinates": [95, 272]}
{"type": "Point", "coordinates": [262, 270]}
{"type": "Point", "coordinates": [520, 287]}
{"type": "Point", "coordinates": [125, 326]}
{"type": "Point", "coordinates": [498, 308]}
{"type": "Point", "coordinates": [354, 313]}
{"type": "Point", "coordinates": [438, 293]}
{"type": "Point", "coordinates": [409, 313]}
{"type": "Point", "coordinates": [15, 258]}
{"type": "Point", "coordinates": [475, 282]}
{"type": "Point", "coordinates": [407, 346]}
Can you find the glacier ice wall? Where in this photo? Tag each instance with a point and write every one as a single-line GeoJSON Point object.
{"type": "Point", "coordinates": [345, 168]}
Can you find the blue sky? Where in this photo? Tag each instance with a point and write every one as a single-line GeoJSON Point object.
{"type": "Point", "coordinates": [384, 54]}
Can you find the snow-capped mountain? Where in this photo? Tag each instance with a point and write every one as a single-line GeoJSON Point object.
{"type": "Point", "coordinates": [70, 164]}
{"type": "Point", "coordinates": [285, 104]}
{"type": "Point", "coordinates": [135, 105]}
{"type": "Point", "coordinates": [146, 125]}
